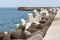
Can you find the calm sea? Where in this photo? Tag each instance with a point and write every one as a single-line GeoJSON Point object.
{"type": "Point", "coordinates": [9, 17]}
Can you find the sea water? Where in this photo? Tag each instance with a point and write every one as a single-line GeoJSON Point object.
{"type": "Point", "coordinates": [9, 17]}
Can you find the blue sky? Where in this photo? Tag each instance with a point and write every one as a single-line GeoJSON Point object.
{"type": "Point", "coordinates": [25, 3]}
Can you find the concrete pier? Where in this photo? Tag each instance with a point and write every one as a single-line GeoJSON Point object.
{"type": "Point", "coordinates": [53, 32]}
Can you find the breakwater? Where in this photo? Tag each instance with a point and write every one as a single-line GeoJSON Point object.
{"type": "Point", "coordinates": [35, 27]}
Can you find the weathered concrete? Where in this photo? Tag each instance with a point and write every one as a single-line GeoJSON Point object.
{"type": "Point", "coordinates": [53, 32]}
{"type": "Point", "coordinates": [18, 39]}
{"type": "Point", "coordinates": [36, 36]}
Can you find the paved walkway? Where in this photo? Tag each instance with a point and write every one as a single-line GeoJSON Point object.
{"type": "Point", "coordinates": [53, 32]}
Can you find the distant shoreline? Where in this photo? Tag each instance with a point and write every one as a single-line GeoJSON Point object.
{"type": "Point", "coordinates": [31, 8]}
